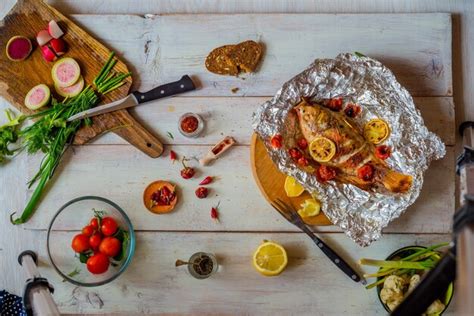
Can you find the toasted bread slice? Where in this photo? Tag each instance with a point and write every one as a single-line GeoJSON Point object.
{"type": "Point", "coordinates": [232, 59]}
{"type": "Point", "coordinates": [219, 62]}
{"type": "Point", "coordinates": [246, 55]}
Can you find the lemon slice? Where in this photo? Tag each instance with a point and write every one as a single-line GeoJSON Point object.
{"type": "Point", "coordinates": [376, 131]}
{"type": "Point", "coordinates": [309, 208]}
{"type": "Point", "coordinates": [293, 188]}
{"type": "Point", "coordinates": [322, 149]}
{"type": "Point", "coordinates": [270, 258]}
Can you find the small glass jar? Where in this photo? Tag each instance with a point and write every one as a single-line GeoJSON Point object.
{"type": "Point", "coordinates": [202, 265]}
{"type": "Point", "coordinates": [190, 124]}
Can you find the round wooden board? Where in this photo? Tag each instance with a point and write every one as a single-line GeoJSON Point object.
{"type": "Point", "coordinates": [271, 181]}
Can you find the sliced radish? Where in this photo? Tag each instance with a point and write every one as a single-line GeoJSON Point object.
{"type": "Point", "coordinates": [70, 91]}
{"type": "Point", "coordinates": [43, 37]}
{"type": "Point", "coordinates": [54, 29]}
{"type": "Point", "coordinates": [65, 72]}
{"type": "Point", "coordinates": [58, 46]}
{"type": "Point", "coordinates": [48, 53]}
{"type": "Point", "coordinates": [37, 97]}
{"type": "Point", "coordinates": [18, 48]}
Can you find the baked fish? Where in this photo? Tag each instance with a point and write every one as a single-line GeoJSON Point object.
{"type": "Point", "coordinates": [351, 156]}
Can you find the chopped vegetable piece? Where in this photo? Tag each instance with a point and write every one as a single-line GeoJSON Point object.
{"type": "Point", "coordinates": [37, 97]}
{"type": "Point", "coordinates": [292, 187]}
{"type": "Point", "coordinates": [71, 91]}
{"type": "Point", "coordinates": [18, 48]}
{"type": "Point", "coordinates": [54, 29]}
{"type": "Point", "coordinates": [325, 173]}
{"type": "Point", "coordinates": [65, 72]}
{"type": "Point", "coordinates": [276, 141]}
{"type": "Point", "coordinates": [43, 37]}
{"type": "Point", "coordinates": [270, 259]}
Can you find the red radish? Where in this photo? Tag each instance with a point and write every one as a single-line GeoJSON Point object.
{"type": "Point", "coordinates": [37, 97]}
{"type": "Point", "coordinates": [58, 46]}
{"type": "Point", "coordinates": [70, 91]}
{"type": "Point", "coordinates": [48, 53]}
{"type": "Point", "coordinates": [18, 48]}
{"type": "Point", "coordinates": [43, 37]}
{"type": "Point", "coordinates": [65, 72]}
{"type": "Point", "coordinates": [54, 29]}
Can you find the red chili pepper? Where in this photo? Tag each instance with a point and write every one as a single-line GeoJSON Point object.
{"type": "Point", "coordinates": [295, 153]}
{"type": "Point", "coordinates": [214, 212]}
{"type": "Point", "coordinates": [366, 172]}
{"type": "Point", "coordinates": [173, 155]}
{"type": "Point", "coordinates": [277, 141]}
{"type": "Point", "coordinates": [325, 173]}
{"type": "Point", "coordinates": [187, 172]}
{"type": "Point", "coordinates": [382, 152]}
{"type": "Point", "coordinates": [302, 143]}
{"type": "Point", "coordinates": [206, 180]}
{"type": "Point", "coordinates": [202, 192]}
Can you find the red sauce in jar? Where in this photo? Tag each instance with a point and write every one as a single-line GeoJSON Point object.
{"type": "Point", "coordinates": [189, 124]}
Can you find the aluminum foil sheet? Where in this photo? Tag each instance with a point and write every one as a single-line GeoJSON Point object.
{"type": "Point", "coordinates": [364, 81]}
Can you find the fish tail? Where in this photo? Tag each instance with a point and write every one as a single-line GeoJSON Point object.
{"type": "Point", "coordinates": [397, 182]}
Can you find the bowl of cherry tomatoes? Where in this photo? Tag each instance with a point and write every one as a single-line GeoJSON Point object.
{"type": "Point", "coordinates": [90, 241]}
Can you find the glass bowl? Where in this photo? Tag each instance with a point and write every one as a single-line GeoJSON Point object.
{"type": "Point", "coordinates": [406, 251]}
{"type": "Point", "coordinates": [68, 222]}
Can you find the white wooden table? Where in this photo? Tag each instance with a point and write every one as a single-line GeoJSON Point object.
{"type": "Point", "coordinates": [154, 48]}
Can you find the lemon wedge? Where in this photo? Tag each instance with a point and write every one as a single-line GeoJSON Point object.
{"type": "Point", "coordinates": [309, 208]}
{"type": "Point", "coordinates": [322, 149]}
{"type": "Point", "coordinates": [376, 131]}
{"type": "Point", "coordinates": [292, 187]}
{"type": "Point", "coordinates": [270, 258]}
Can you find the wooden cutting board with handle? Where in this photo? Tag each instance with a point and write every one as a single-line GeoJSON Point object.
{"type": "Point", "coordinates": [27, 18]}
{"type": "Point", "coordinates": [271, 181]}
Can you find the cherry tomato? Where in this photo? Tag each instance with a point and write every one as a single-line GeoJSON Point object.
{"type": "Point", "coordinates": [277, 141]}
{"type": "Point", "coordinates": [325, 173]}
{"type": "Point", "coordinates": [201, 192]}
{"type": "Point", "coordinates": [302, 143]}
{"type": "Point", "coordinates": [110, 246]}
{"type": "Point", "coordinates": [94, 241]}
{"type": "Point", "coordinates": [108, 226]}
{"type": "Point", "coordinates": [98, 263]}
{"type": "Point", "coordinates": [382, 152]}
{"type": "Point", "coordinates": [303, 162]}
{"type": "Point", "coordinates": [366, 172]}
{"type": "Point", "coordinates": [352, 110]}
{"type": "Point", "coordinates": [295, 153]}
{"type": "Point", "coordinates": [80, 243]}
{"type": "Point", "coordinates": [94, 223]}
{"type": "Point", "coordinates": [187, 173]}
{"type": "Point", "coordinates": [335, 104]}
{"type": "Point", "coordinates": [88, 230]}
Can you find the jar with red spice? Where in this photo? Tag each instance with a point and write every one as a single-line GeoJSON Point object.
{"type": "Point", "coordinates": [190, 124]}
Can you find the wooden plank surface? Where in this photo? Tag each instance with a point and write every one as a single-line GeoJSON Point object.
{"type": "Point", "coordinates": [310, 285]}
{"type": "Point", "coordinates": [416, 47]}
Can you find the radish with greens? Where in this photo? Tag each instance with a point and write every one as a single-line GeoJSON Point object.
{"type": "Point", "coordinates": [65, 72]}
{"type": "Point", "coordinates": [71, 91]}
{"type": "Point", "coordinates": [37, 97]}
{"type": "Point", "coordinates": [54, 29]}
{"type": "Point", "coordinates": [18, 48]}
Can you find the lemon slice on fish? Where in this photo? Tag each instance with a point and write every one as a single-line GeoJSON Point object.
{"type": "Point", "coordinates": [376, 131]}
{"type": "Point", "coordinates": [309, 208]}
{"type": "Point", "coordinates": [322, 149]}
{"type": "Point", "coordinates": [292, 187]}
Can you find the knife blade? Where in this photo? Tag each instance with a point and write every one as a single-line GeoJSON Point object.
{"type": "Point", "coordinates": [185, 84]}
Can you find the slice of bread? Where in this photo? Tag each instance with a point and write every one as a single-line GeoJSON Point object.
{"type": "Point", "coordinates": [232, 59]}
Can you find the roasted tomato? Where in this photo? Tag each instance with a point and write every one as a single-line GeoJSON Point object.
{"type": "Point", "coordinates": [334, 104]}
{"type": "Point", "coordinates": [80, 243]}
{"type": "Point", "coordinates": [108, 226]}
{"type": "Point", "coordinates": [352, 110]}
{"type": "Point", "coordinates": [94, 241]}
{"type": "Point", "coordinates": [383, 152]}
{"type": "Point", "coordinates": [88, 230]}
{"type": "Point", "coordinates": [110, 246]}
{"type": "Point", "coordinates": [277, 141]}
{"type": "Point", "coordinates": [366, 172]}
{"type": "Point", "coordinates": [98, 263]}
{"type": "Point", "coordinates": [325, 173]}
{"type": "Point", "coordinates": [302, 143]}
{"type": "Point", "coordinates": [303, 162]}
{"type": "Point", "coordinates": [295, 153]}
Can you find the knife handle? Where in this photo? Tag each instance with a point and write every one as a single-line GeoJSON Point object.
{"type": "Point", "coordinates": [182, 85]}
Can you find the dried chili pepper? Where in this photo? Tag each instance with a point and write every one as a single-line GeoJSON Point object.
{"type": "Point", "coordinates": [173, 156]}
{"type": "Point", "coordinates": [202, 192]}
{"type": "Point", "coordinates": [187, 172]}
{"type": "Point", "coordinates": [214, 212]}
{"type": "Point", "coordinates": [206, 180]}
